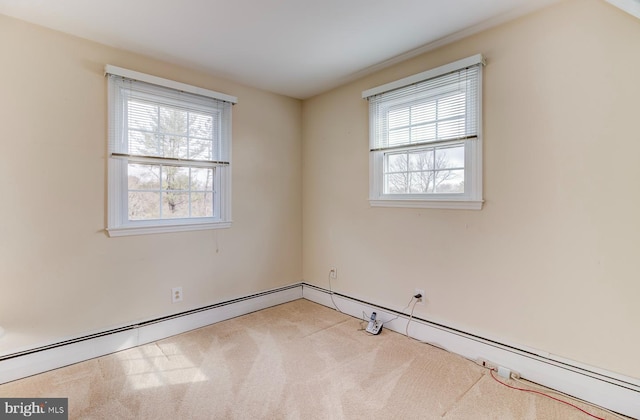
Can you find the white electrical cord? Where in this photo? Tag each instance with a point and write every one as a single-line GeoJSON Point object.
{"type": "Point", "coordinates": [406, 330]}
{"type": "Point", "coordinates": [331, 293]}
{"type": "Point", "coordinates": [402, 311]}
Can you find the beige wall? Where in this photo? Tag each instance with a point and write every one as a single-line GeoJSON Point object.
{"type": "Point", "coordinates": [60, 274]}
{"type": "Point", "coordinates": [552, 260]}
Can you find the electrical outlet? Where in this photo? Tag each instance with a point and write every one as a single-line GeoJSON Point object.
{"type": "Point", "coordinates": [421, 299]}
{"type": "Point", "coordinates": [176, 294]}
{"type": "Point", "coordinates": [333, 273]}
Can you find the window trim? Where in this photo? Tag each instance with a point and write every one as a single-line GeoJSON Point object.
{"type": "Point", "coordinates": [117, 185]}
{"type": "Point", "coordinates": [471, 199]}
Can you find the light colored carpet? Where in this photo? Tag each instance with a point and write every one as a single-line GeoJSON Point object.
{"type": "Point", "coordinates": [299, 360]}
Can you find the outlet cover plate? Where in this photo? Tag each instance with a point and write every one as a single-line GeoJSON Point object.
{"type": "Point", "coordinates": [176, 294]}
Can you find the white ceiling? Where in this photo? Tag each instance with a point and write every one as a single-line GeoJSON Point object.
{"type": "Point", "coordinates": [297, 48]}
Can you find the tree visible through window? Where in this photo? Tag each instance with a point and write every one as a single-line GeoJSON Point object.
{"type": "Point", "coordinates": [165, 191]}
{"type": "Point", "coordinates": [425, 171]}
{"type": "Point", "coordinates": [172, 149]}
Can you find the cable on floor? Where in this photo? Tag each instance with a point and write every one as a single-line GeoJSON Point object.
{"type": "Point", "coordinates": [553, 391]}
{"type": "Point", "coordinates": [363, 323]}
{"type": "Point", "coordinates": [544, 395]}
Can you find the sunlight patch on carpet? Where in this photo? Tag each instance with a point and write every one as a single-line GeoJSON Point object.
{"type": "Point", "coordinates": [150, 367]}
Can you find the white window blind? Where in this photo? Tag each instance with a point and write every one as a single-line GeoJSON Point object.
{"type": "Point", "coordinates": [170, 157]}
{"type": "Point", "coordinates": [156, 122]}
{"type": "Point", "coordinates": [444, 108]}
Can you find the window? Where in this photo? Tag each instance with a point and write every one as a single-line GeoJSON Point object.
{"type": "Point", "coordinates": [169, 155]}
{"type": "Point", "coordinates": [425, 139]}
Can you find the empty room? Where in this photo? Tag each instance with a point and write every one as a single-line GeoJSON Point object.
{"type": "Point", "coordinates": [320, 209]}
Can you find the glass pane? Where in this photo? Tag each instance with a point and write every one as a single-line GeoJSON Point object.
{"type": "Point", "coordinates": [421, 160]}
{"type": "Point", "coordinates": [144, 205]}
{"type": "Point", "coordinates": [398, 118]}
{"type": "Point", "coordinates": [200, 125]}
{"type": "Point", "coordinates": [449, 181]}
{"type": "Point", "coordinates": [396, 183]}
{"type": "Point", "coordinates": [421, 182]}
{"type": "Point", "coordinates": [143, 177]}
{"type": "Point", "coordinates": [174, 147]}
{"type": "Point", "coordinates": [142, 116]}
{"type": "Point", "coordinates": [200, 149]}
{"type": "Point", "coordinates": [141, 143]}
{"type": "Point", "coordinates": [450, 157]}
{"type": "Point", "coordinates": [175, 205]}
{"type": "Point", "coordinates": [396, 162]}
{"type": "Point", "coordinates": [202, 204]}
{"type": "Point", "coordinates": [173, 121]}
{"type": "Point", "coordinates": [201, 179]}
{"type": "Point", "coordinates": [175, 178]}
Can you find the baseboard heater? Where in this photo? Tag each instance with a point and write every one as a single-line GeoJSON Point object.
{"type": "Point", "coordinates": [607, 389]}
{"type": "Point", "coordinates": [31, 361]}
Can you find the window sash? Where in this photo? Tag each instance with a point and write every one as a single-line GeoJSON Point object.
{"type": "Point", "coordinates": [195, 201]}
{"type": "Point", "coordinates": [428, 167]}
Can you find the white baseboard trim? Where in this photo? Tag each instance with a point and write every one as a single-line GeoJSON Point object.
{"type": "Point", "coordinates": [607, 389]}
{"type": "Point", "coordinates": [78, 349]}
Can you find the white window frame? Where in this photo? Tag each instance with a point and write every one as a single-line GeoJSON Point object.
{"type": "Point", "coordinates": [471, 198]}
{"type": "Point", "coordinates": [118, 223]}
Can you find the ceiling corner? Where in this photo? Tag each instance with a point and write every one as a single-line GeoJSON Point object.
{"type": "Point", "coordinates": [630, 6]}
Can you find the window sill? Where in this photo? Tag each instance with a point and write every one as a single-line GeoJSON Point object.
{"type": "Point", "coordinates": [147, 230]}
{"type": "Point", "coordinates": [430, 204]}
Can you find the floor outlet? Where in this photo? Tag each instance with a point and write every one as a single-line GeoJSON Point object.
{"type": "Point", "coordinates": [176, 294]}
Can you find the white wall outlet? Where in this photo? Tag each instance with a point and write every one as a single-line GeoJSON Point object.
{"type": "Point", "coordinates": [333, 273]}
{"type": "Point", "coordinates": [421, 299]}
{"type": "Point", "coordinates": [176, 294]}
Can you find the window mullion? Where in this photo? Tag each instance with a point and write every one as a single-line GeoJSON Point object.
{"type": "Point", "coordinates": [190, 178]}
{"type": "Point", "coordinates": [159, 134]}
{"type": "Point", "coordinates": [407, 174]}
{"type": "Point", "coordinates": [161, 191]}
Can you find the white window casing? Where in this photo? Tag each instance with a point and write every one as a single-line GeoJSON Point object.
{"type": "Point", "coordinates": [169, 161]}
{"type": "Point", "coordinates": [425, 134]}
